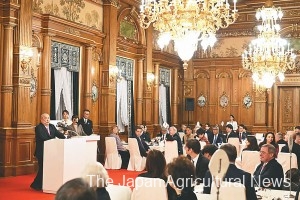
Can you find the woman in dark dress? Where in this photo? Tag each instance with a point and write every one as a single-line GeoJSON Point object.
{"type": "Point", "coordinates": [181, 177]}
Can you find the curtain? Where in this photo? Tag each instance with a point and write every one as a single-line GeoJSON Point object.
{"type": "Point", "coordinates": [75, 92]}
{"type": "Point", "coordinates": [131, 127]}
{"type": "Point", "coordinates": [122, 108]}
{"type": "Point", "coordinates": [162, 105]}
{"type": "Point", "coordinates": [52, 101]}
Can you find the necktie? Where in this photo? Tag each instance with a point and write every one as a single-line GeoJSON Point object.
{"type": "Point", "coordinates": [163, 137]}
{"type": "Point", "coordinates": [215, 139]}
{"type": "Point", "coordinates": [241, 137]}
{"type": "Point", "coordinates": [85, 120]}
{"type": "Point", "coordinates": [262, 168]}
{"type": "Point", "coordinates": [47, 127]}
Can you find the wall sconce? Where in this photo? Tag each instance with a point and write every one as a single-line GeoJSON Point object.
{"type": "Point", "coordinates": [113, 73]}
{"type": "Point", "coordinates": [26, 54]}
{"type": "Point", "coordinates": [150, 80]}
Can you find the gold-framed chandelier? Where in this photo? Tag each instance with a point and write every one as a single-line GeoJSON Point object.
{"type": "Point", "coordinates": [268, 56]}
{"type": "Point", "coordinates": [187, 22]}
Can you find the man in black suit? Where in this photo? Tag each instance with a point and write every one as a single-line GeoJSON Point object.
{"type": "Point", "coordinates": [269, 174]}
{"type": "Point", "coordinates": [86, 123]}
{"type": "Point", "coordinates": [279, 139]}
{"type": "Point", "coordinates": [173, 135]}
{"type": "Point", "coordinates": [295, 148]}
{"type": "Point", "coordinates": [230, 133]}
{"type": "Point", "coordinates": [207, 130]}
{"type": "Point", "coordinates": [233, 174]}
{"type": "Point", "coordinates": [216, 138]}
{"type": "Point", "coordinates": [43, 132]}
{"type": "Point", "coordinates": [143, 147]}
{"type": "Point", "coordinates": [242, 133]}
{"type": "Point", "coordinates": [145, 135]}
{"type": "Point", "coordinates": [193, 151]}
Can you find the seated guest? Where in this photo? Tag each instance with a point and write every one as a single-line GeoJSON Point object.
{"type": "Point", "coordinates": [74, 127]}
{"type": "Point", "coordinates": [209, 150]}
{"type": "Point", "coordinates": [217, 137]}
{"type": "Point", "coordinates": [75, 189]}
{"type": "Point", "coordinates": [145, 135]}
{"type": "Point", "coordinates": [242, 133]}
{"type": "Point", "coordinates": [124, 153]}
{"type": "Point", "coordinates": [188, 134]}
{"type": "Point", "coordinates": [201, 136]}
{"type": "Point", "coordinates": [279, 139]}
{"type": "Point", "coordinates": [193, 151]}
{"type": "Point", "coordinates": [183, 128]}
{"type": "Point", "coordinates": [293, 181]}
{"type": "Point", "coordinates": [269, 174]}
{"type": "Point", "coordinates": [270, 139]}
{"type": "Point", "coordinates": [181, 175]}
{"type": "Point", "coordinates": [163, 134]}
{"type": "Point", "coordinates": [233, 174]}
{"type": "Point", "coordinates": [251, 144]}
{"type": "Point", "coordinates": [208, 132]}
{"type": "Point", "coordinates": [155, 165]}
{"type": "Point", "coordinates": [96, 176]}
{"type": "Point", "coordinates": [295, 148]}
{"type": "Point", "coordinates": [175, 136]}
{"type": "Point", "coordinates": [230, 133]}
{"type": "Point", "coordinates": [143, 147]}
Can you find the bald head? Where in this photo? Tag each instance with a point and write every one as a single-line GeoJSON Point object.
{"type": "Point", "coordinates": [45, 119]}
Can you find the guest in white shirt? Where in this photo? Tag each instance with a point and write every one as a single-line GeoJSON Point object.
{"type": "Point", "coordinates": [233, 123]}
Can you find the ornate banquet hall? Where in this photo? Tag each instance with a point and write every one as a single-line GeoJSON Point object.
{"type": "Point", "coordinates": [145, 62]}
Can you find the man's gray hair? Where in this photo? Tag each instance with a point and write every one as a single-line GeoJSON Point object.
{"type": "Point", "coordinates": [174, 128]}
{"type": "Point", "coordinates": [271, 149]}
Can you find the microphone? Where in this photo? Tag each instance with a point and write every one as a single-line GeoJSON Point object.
{"type": "Point", "coordinates": [72, 133]}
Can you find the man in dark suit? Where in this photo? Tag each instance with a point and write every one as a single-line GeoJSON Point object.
{"type": "Point", "coordinates": [143, 147]}
{"type": "Point", "coordinates": [145, 135]}
{"type": "Point", "coordinates": [207, 130]}
{"type": "Point", "coordinates": [269, 174]}
{"type": "Point", "coordinates": [242, 133]}
{"type": "Point", "coordinates": [216, 138]}
{"type": "Point", "coordinates": [173, 135]}
{"type": "Point", "coordinates": [233, 174]}
{"type": "Point", "coordinates": [295, 148]}
{"type": "Point", "coordinates": [230, 133]}
{"type": "Point", "coordinates": [86, 123]}
{"type": "Point", "coordinates": [279, 139]}
{"type": "Point", "coordinates": [43, 132]}
{"type": "Point", "coordinates": [193, 151]}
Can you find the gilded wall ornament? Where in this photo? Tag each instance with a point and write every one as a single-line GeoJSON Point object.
{"type": "Point", "coordinates": [224, 100]}
{"type": "Point", "coordinates": [247, 101]}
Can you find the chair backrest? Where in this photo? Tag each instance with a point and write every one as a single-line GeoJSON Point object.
{"type": "Point", "coordinates": [181, 134]}
{"type": "Point", "coordinates": [202, 144]}
{"type": "Point", "coordinates": [229, 191]}
{"type": "Point", "coordinates": [171, 150]}
{"type": "Point", "coordinates": [284, 160]}
{"type": "Point", "coordinates": [259, 137]}
{"type": "Point", "coordinates": [117, 192]}
{"type": "Point", "coordinates": [133, 147]}
{"type": "Point", "coordinates": [235, 142]}
{"type": "Point", "coordinates": [280, 146]}
{"type": "Point", "coordinates": [110, 145]}
{"type": "Point", "coordinates": [146, 187]}
{"type": "Point", "coordinates": [250, 159]}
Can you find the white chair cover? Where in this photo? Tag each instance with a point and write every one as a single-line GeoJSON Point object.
{"type": "Point", "coordinates": [171, 150]}
{"type": "Point", "coordinates": [117, 192]}
{"type": "Point", "coordinates": [181, 134]}
{"type": "Point", "coordinates": [145, 188]}
{"type": "Point", "coordinates": [280, 146]}
{"type": "Point", "coordinates": [202, 144]}
{"type": "Point", "coordinates": [250, 159]}
{"type": "Point", "coordinates": [113, 159]}
{"type": "Point", "coordinates": [284, 160]}
{"type": "Point", "coordinates": [136, 161]}
{"type": "Point", "coordinates": [235, 142]}
{"type": "Point", "coordinates": [229, 191]}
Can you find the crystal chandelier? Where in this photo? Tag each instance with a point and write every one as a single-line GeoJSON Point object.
{"type": "Point", "coordinates": [268, 56]}
{"type": "Point", "coordinates": [187, 22]}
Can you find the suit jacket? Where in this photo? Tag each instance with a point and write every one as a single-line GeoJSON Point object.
{"type": "Point", "coordinates": [295, 150]}
{"type": "Point", "coordinates": [79, 131]}
{"type": "Point", "coordinates": [146, 136]}
{"type": "Point", "coordinates": [143, 147]}
{"type": "Point", "coordinates": [219, 139]}
{"type": "Point", "coordinates": [244, 136]}
{"type": "Point", "coordinates": [102, 194]}
{"type": "Point", "coordinates": [179, 143]}
{"type": "Point", "coordinates": [231, 135]}
{"type": "Point", "coordinates": [87, 127]}
{"type": "Point", "coordinates": [233, 174]}
{"type": "Point", "coordinates": [272, 172]}
{"type": "Point", "coordinates": [201, 167]}
{"type": "Point", "coordinates": [42, 135]}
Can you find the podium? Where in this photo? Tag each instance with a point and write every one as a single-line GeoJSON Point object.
{"type": "Point", "coordinates": [66, 159]}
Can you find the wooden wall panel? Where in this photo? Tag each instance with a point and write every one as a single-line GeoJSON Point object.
{"type": "Point", "coordinates": [202, 88]}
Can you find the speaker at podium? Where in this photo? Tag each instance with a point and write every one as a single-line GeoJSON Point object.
{"type": "Point", "coordinates": [189, 104]}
